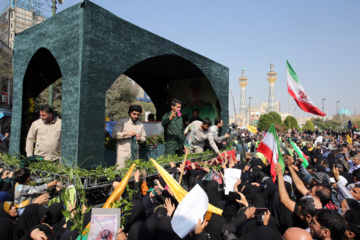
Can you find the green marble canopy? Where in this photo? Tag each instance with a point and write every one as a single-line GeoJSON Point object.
{"type": "Point", "coordinates": [89, 48]}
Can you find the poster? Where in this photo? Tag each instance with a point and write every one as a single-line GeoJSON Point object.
{"type": "Point", "coordinates": [105, 223]}
{"type": "Point", "coordinates": [195, 93]}
{"type": "Point", "coordinates": [189, 137]}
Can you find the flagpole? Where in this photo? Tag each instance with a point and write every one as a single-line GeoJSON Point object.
{"type": "Point", "coordinates": [234, 107]}
{"type": "Point", "coordinates": [183, 164]}
{"type": "Point", "coordinates": [289, 109]}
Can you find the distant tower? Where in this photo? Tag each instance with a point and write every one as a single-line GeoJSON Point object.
{"type": "Point", "coordinates": [243, 83]}
{"type": "Point", "coordinates": [272, 80]}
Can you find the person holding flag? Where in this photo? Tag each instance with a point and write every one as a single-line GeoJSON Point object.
{"type": "Point", "coordinates": [300, 154]}
{"type": "Point", "coordinates": [271, 150]}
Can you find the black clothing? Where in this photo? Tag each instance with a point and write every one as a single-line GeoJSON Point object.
{"type": "Point", "coordinates": [8, 230]}
{"type": "Point", "coordinates": [31, 216]}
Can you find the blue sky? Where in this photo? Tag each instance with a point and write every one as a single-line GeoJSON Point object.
{"type": "Point", "coordinates": [320, 39]}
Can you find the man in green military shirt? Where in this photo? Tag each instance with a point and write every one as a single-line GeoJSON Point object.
{"type": "Point", "coordinates": [173, 129]}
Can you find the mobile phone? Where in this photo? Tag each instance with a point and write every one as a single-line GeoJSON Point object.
{"type": "Point", "coordinates": [260, 211]}
{"type": "Point", "coordinates": [178, 112]}
{"type": "Point", "coordinates": [234, 196]}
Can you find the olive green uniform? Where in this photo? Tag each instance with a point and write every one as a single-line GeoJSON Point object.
{"type": "Point", "coordinates": [174, 134]}
{"type": "Point", "coordinates": [206, 109]}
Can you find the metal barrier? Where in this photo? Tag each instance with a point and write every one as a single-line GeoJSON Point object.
{"type": "Point", "coordinates": [92, 182]}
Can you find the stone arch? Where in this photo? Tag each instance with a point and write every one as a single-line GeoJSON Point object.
{"type": "Point", "coordinates": [41, 71]}
{"type": "Point", "coordinates": [157, 75]}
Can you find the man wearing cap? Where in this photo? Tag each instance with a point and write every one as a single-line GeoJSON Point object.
{"type": "Point", "coordinates": [129, 132]}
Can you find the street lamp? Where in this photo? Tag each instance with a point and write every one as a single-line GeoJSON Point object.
{"type": "Point", "coordinates": [323, 100]}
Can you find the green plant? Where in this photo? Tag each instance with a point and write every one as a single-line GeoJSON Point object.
{"type": "Point", "coordinates": [125, 203]}
{"type": "Point", "coordinates": [75, 211]}
{"type": "Point", "coordinates": [154, 140]}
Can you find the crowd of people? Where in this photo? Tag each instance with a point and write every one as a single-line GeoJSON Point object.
{"type": "Point", "coordinates": [319, 200]}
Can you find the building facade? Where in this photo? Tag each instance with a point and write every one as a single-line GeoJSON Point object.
{"type": "Point", "coordinates": [18, 16]}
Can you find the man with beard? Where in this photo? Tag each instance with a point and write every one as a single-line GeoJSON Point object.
{"type": "Point", "coordinates": [173, 129]}
{"type": "Point", "coordinates": [46, 133]}
{"type": "Point", "coordinates": [327, 224]}
{"type": "Point", "coordinates": [129, 132]}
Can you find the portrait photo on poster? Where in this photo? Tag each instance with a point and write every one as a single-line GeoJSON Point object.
{"type": "Point", "coordinates": [105, 223]}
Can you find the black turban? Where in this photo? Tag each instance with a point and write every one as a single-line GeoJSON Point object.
{"type": "Point", "coordinates": [137, 108]}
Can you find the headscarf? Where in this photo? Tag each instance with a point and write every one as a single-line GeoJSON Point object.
{"type": "Point", "coordinates": [214, 227]}
{"type": "Point", "coordinates": [5, 210]}
{"type": "Point", "coordinates": [164, 230]}
{"type": "Point", "coordinates": [139, 231]}
{"type": "Point", "coordinates": [31, 216]}
{"type": "Point", "coordinates": [4, 196]}
{"type": "Point", "coordinates": [212, 192]}
{"type": "Point", "coordinates": [258, 162]}
{"type": "Point", "coordinates": [137, 213]}
{"type": "Point", "coordinates": [54, 214]}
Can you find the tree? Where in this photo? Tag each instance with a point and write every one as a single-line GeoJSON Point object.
{"type": "Point", "coordinates": [309, 126]}
{"type": "Point", "coordinates": [5, 65]}
{"type": "Point", "coordinates": [43, 97]}
{"type": "Point", "coordinates": [276, 117]}
{"type": "Point", "coordinates": [148, 107]}
{"type": "Point", "coordinates": [265, 122]}
{"type": "Point", "coordinates": [119, 97]}
{"type": "Point", "coordinates": [327, 124]}
{"type": "Point", "coordinates": [293, 123]}
{"type": "Point", "coordinates": [280, 128]}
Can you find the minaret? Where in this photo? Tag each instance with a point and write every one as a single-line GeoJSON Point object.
{"type": "Point", "coordinates": [272, 80]}
{"type": "Point", "coordinates": [243, 83]}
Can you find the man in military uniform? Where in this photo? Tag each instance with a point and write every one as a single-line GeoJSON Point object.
{"type": "Point", "coordinates": [173, 129]}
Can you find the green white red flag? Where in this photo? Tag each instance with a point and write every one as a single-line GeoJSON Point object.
{"type": "Point", "coordinates": [271, 150]}
{"type": "Point", "coordinates": [298, 93]}
{"type": "Point", "coordinates": [300, 154]}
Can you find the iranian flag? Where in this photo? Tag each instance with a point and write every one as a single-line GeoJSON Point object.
{"type": "Point", "coordinates": [300, 154]}
{"type": "Point", "coordinates": [298, 93]}
{"type": "Point", "coordinates": [271, 150]}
